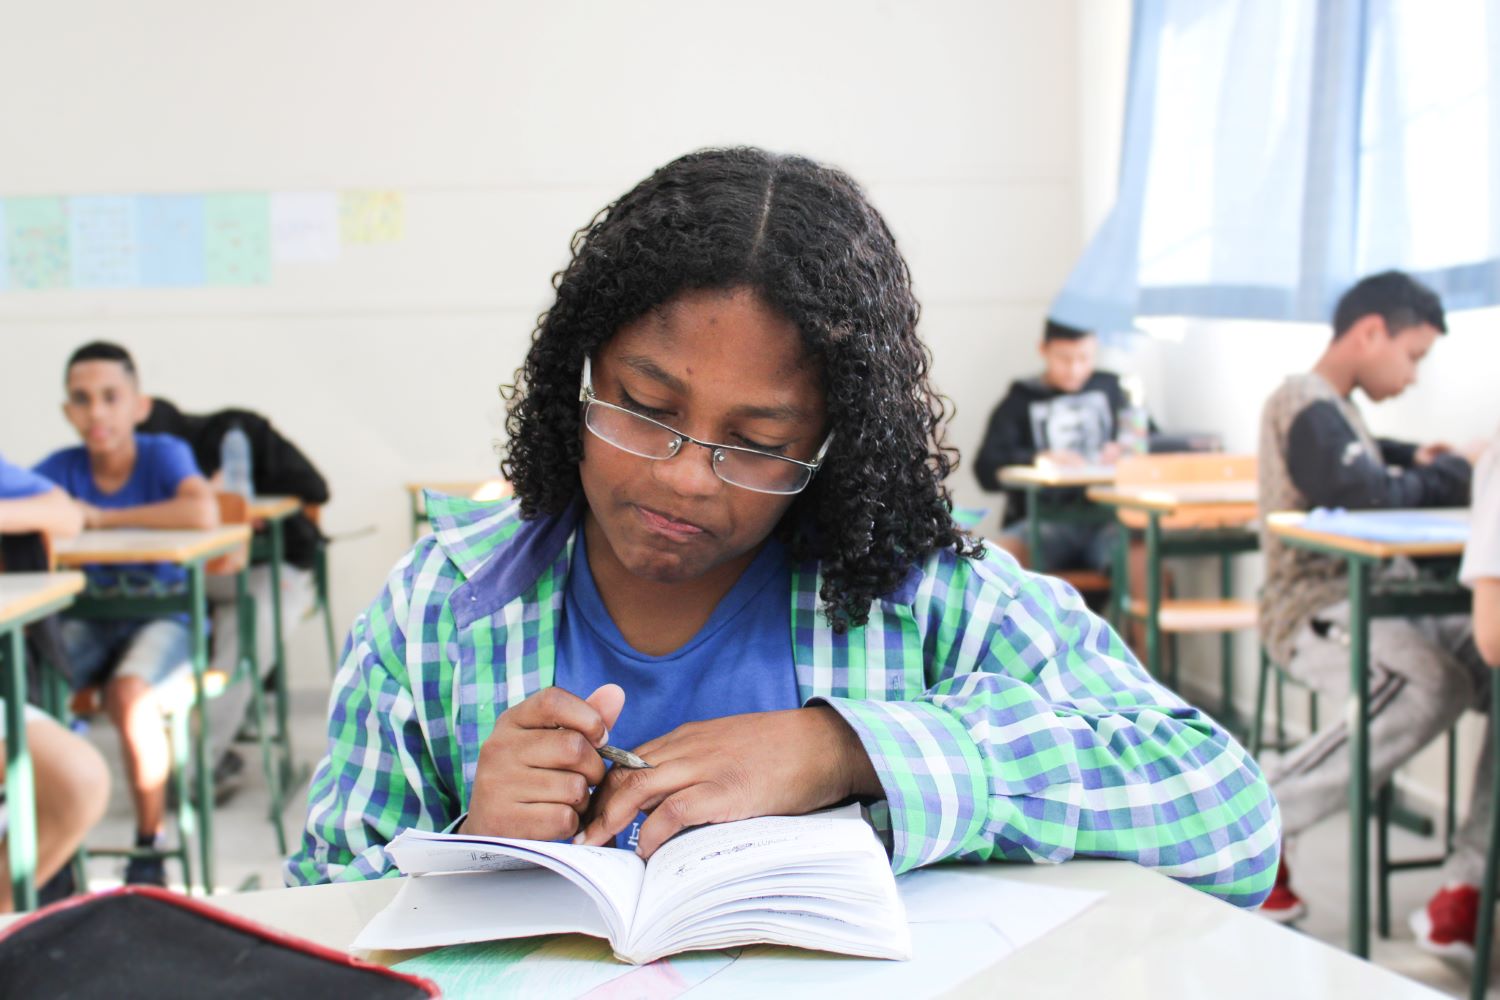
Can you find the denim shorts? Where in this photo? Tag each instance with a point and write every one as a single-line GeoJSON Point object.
{"type": "Point", "coordinates": [98, 651]}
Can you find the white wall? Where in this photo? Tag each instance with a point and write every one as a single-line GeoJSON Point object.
{"type": "Point", "coordinates": [507, 126]}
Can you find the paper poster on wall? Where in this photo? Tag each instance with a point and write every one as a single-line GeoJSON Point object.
{"type": "Point", "coordinates": [372, 216]}
{"type": "Point", "coordinates": [170, 240]}
{"type": "Point", "coordinates": [4, 261]}
{"type": "Point", "coordinates": [237, 239]}
{"type": "Point", "coordinates": [304, 227]}
{"type": "Point", "coordinates": [36, 242]}
{"type": "Point", "coordinates": [103, 242]}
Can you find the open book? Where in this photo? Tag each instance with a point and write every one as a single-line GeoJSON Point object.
{"type": "Point", "coordinates": [821, 881]}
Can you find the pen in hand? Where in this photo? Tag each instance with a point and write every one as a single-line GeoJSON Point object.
{"type": "Point", "coordinates": [621, 758]}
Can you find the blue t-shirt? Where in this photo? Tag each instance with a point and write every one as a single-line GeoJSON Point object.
{"type": "Point", "coordinates": [17, 482]}
{"type": "Point", "coordinates": [740, 660]}
{"type": "Point", "coordinates": [162, 462]}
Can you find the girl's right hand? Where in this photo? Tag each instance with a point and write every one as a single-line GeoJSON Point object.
{"type": "Point", "coordinates": [538, 764]}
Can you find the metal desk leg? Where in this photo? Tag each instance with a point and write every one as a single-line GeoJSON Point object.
{"type": "Point", "coordinates": [250, 660]}
{"type": "Point", "coordinates": [1359, 758]}
{"type": "Point", "coordinates": [199, 601]}
{"type": "Point", "coordinates": [278, 648]}
{"type": "Point", "coordinates": [1153, 594]}
{"type": "Point", "coordinates": [1226, 647]}
{"type": "Point", "coordinates": [1038, 564]}
{"type": "Point", "coordinates": [20, 794]}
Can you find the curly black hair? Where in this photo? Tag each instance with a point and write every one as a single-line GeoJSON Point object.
{"type": "Point", "coordinates": [805, 239]}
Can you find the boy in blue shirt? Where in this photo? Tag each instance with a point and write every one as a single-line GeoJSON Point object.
{"type": "Point", "coordinates": [71, 781]}
{"type": "Point", "coordinates": [122, 479]}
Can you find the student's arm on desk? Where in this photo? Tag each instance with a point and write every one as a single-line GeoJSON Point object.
{"type": "Point", "coordinates": [1041, 739]}
{"type": "Point", "coordinates": [1329, 467]}
{"type": "Point", "coordinates": [378, 776]}
{"type": "Point", "coordinates": [53, 512]}
{"type": "Point", "coordinates": [194, 507]}
{"type": "Point", "coordinates": [1006, 441]}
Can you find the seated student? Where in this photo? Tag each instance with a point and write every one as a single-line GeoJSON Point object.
{"type": "Point", "coordinates": [278, 468]}
{"type": "Point", "coordinates": [1066, 415]}
{"type": "Point", "coordinates": [69, 776]}
{"type": "Point", "coordinates": [779, 621]}
{"type": "Point", "coordinates": [123, 479]}
{"type": "Point", "coordinates": [1315, 451]}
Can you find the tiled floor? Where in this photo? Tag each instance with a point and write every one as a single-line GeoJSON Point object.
{"type": "Point", "coordinates": [246, 848]}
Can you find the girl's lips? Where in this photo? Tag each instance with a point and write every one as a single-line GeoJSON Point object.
{"type": "Point", "coordinates": [666, 525]}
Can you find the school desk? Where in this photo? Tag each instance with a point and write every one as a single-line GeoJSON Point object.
{"type": "Point", "coordinates": [1372, 598]}
{"type": "Point", "coordinates": [24, 598]}
{"type": "Point", "coordinates": [1148, 937]}
{"type": "Point", "coordinates": [191, 550]}
{"type": "Point", "coordinates": [1229, 505]}
{"type": "Point", "coordinates": [1043, 485]}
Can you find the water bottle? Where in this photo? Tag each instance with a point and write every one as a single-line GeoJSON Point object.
{"type": "Point", "coordinates": [234, 460]}
{"type": "Point", "coordinates": [1133, 424]}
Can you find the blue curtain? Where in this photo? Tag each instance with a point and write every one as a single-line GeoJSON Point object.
{"type": "Point", "coordinates": [1277, 150]}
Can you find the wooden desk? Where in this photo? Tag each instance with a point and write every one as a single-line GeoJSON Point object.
{"type": "Point", "coordinates": [24, 598]}
{"type": "Point", "coordinates": [1230, 504]}
{"type": "Point", "coordinates": [493, 488]}
{"type": "Point", "coordinates": [1368, 598]}
{"type": "Point", "coordinates": [1041, 484]}
{"type": "Point", "coordinates": [1148, 938]}
{"type": "Point", "coordinates": [190, 550]}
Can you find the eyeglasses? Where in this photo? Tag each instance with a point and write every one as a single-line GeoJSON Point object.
{"type": "Point", "coordinates": [746, 468]}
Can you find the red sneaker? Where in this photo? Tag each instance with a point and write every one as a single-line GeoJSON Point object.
{"type": "Point", "coordinates": [1283, 905]}
{"type": "Point", "coordinates": [1447, 925]}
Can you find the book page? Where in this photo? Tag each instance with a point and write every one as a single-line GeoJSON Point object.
{"type": "Point", "coordinates": [432, 910]}
{"type": "Point", "coordinates": [611, 876]}
{"type": "Point", "coordinates": [820, 881]}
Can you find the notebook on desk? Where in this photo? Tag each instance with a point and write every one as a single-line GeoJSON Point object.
{"type": "Point", "coordinates": [1391, 525]}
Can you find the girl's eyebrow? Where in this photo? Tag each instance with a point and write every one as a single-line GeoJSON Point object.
{"type": "Point", "coordinates": [647, 368]}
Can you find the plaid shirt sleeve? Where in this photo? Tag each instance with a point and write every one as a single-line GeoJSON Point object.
{"type": "Point", "coordinates": [378, 776]}
{"type": "Point", "coordinates": [1040, 738]}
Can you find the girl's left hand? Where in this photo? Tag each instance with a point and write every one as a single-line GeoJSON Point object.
{"type": "Point", "coordinates": [766, 764]}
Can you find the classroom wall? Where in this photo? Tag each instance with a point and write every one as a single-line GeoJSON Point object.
{"type": "Point", "coordinates": [506, 126]}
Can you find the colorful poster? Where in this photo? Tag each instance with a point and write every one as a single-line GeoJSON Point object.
{"type": "Point", "coordinates": [103, 241]}
{"type": "Point", "coordinates": [304, 227]}
{"type": "Point", "coordinates": [170, 240]}
{"type": "Point", "coordinates": [372, 216]}
{"type": "Point", "coordinates": [237, 239]}
{"type": "Point", "coordinates": [36, 242]}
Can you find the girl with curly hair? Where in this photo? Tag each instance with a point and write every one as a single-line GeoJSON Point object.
{"type": "Point", "coordinates": [731, 549]}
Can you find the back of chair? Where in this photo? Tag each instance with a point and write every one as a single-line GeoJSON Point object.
{"type": "Point", "coordinates": [1140, 471]}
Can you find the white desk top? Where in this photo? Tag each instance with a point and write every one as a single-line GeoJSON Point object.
{"type": "Point", "coordinates": [1148, 938]}
{"type": "Point", "coordinates": [23, 593]}
{"type": "Point", "coordinates": [1172, 496]}
{"type": "Point", "coordinates": [1049, 475]}
{"type": "Point", "coordinates": [146, 545]}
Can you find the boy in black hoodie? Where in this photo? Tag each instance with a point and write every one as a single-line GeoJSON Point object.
{"type": "Point", "coordinates": [1066, 416]}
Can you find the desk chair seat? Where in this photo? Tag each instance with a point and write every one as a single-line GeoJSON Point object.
{"type": "Point", "coordinates": [1192, 615]}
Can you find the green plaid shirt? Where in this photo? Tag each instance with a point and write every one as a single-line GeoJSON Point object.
{"type": "Point", "coordinates": [1004, 719]}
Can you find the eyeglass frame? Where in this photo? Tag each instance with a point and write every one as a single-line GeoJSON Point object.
{"type": "Point", "coordinates": [587, 397]}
